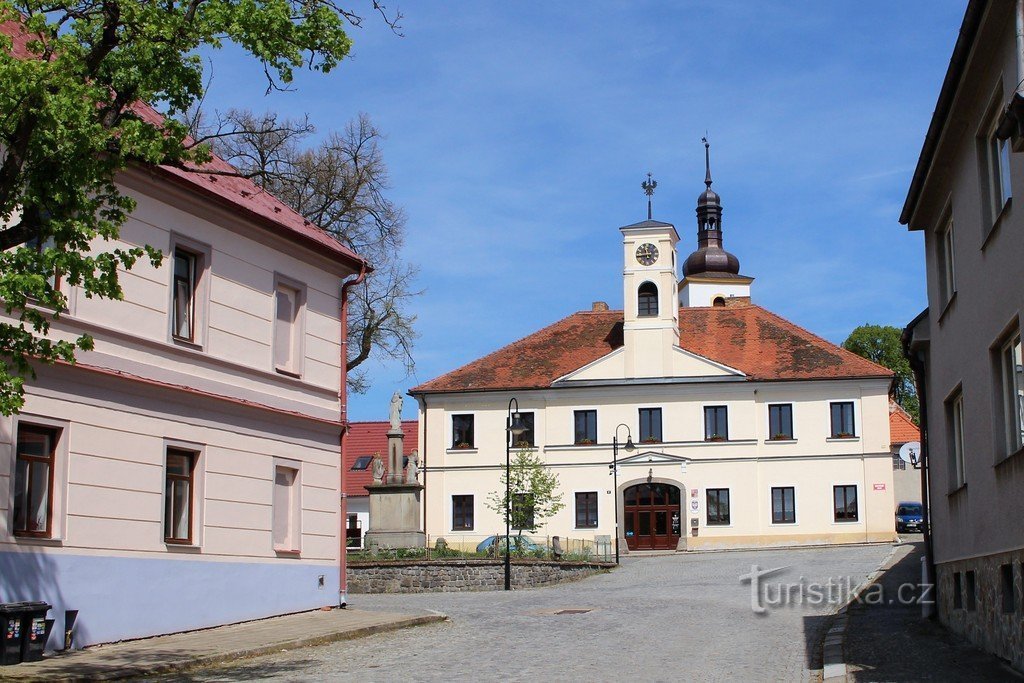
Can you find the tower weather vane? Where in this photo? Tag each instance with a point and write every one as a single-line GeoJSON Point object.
{"type": "Point", "coordinates": [707, 160]}
{"type": "Point", "coordinates": [648, 188]}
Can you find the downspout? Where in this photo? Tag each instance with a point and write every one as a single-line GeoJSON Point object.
{"type": "Point", "coordinates": [343, 403]}
{"type": "Point", "coordinates": [423, 462]}
{"type": "Point", "coordinates": [917, 365]}
{"type": "Point", "coordinates": [1019, 20]}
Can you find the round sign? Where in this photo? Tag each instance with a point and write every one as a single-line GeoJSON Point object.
{"type": "Point", "coordinates": [910, 452]}
{"type": "Point", "coordinates": [694, 505]}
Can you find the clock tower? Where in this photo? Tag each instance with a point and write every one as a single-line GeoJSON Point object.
{"type": "Point", "coordinates": [650, 299]}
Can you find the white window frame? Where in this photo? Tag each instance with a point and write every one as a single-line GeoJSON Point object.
{"type": "Point", "coordinates": [1011, 393]}
{"type": "Point", "coordinates": [294, 546]}
{"type": "Point", "coordinates": [945, 258]}
{"type": "Point", "coordinates": [450, 428]}
{"type": "Point", "coordinates": [294, 368]}
{"type": "Point", "coordinates": [994, 162]}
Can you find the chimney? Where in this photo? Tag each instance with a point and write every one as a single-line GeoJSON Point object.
{"type": "Point", "coordinates": [598, 306]}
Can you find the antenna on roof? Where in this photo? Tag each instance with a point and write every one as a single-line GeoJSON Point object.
{"type": "Point", "coordinates": [648, 187]}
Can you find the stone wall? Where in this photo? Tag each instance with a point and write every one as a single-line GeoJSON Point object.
{"type": "Point", "coordinates": [423, 576]}
{"type": "Point", "coordinates": [992, 621]}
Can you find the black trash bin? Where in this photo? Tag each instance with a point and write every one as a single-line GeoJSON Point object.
{"type": "Point", "coordinates": [35, 630]}
{"type": "Point", "coordinates": [10, 633]}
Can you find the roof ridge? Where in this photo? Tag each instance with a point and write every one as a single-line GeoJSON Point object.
{"type": "Point", "coordinates": [838, 347]}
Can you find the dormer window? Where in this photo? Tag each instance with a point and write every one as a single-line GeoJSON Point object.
{"type": "Point", "coordinates": [647, 300]}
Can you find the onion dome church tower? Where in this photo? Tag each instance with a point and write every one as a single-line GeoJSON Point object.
{"type": "Point", "coordinates": [711, 275]}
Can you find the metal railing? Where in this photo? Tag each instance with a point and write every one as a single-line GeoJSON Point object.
{"type": "Point", "coordinates": [524, 547]}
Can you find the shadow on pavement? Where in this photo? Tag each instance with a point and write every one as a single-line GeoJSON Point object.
{"type": "Point", "coordinates": [888, 640]}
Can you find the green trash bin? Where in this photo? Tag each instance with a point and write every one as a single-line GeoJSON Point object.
{"type": "Point", "coordinates": [11, 616]}
{"type": "Point", "coordinates": [35, 630]}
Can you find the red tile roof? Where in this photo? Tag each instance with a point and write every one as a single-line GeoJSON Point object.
{"type": "Point", "coordinates": [901, 427]}
{"type": "Point", "coordinates": [238, 194]}
{"type": "Point", "coordinates": [746, 337]}
{"type": "Point", "coordinates": [370, 438]}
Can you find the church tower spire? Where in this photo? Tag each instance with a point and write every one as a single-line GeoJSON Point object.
{"type": "Point", "coordinates": [710, 256]}
{"type": "Point", "coordinates": [711, 275]}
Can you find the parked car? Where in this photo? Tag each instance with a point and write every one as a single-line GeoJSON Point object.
{"type": "Point", "coordinates": [520, 544]}
{"type": "Point", "coordinates": [908, 517]}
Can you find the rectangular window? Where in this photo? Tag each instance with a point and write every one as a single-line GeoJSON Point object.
{"type": "Point", "coordinates": [946, 266]}
{"type": "Point", "coordinates": [716, 423]}
{"type": "Point", "coordinates": [184, 295]}
{"type": "Point", "coordinates": [526, 439]}
{"type": "Point", "coordinates": [462, 513]}
{"type": "Point", "coordinates": [586, 426]}
{"type": "Point", "coordinates": [286, 509]}
{"type": "Point", "coordinates": [33, 481]}
{"type": "Point", "coordinates": [650, 425]}
{"type": "Point", "coordinates": [462, 431]}
{"type": "Point", "coordinates": [958, 592]}
{"type": "Point", "coordinates": [898, 463]}
{"type": "Point", "coordinates": [1006, 581]}
{"type": "Point", "coordinates": [783, 505]}
{"type": "Point", "coordinates": [994, 163]}
{"type": "Point", "coordinates": [362, 462]}
{"type": "Point", "coordinates": [718, 506]}
{"type": "Point", "coordinates": [842, 420]}
{"type": "Point", "coordinates": [970, 590]}
{"type": "Point", "coordinates": [586, 510]}
{"type": "Point", "coordinates": [845, 498]}
{"type": "Point", "coordinates": [1012, 394]}
{"type": "Point", "coordinates": [178, 488]}
{"type": "Point", "coordinates": [287, 328]}
{"type": "Point", "coordinates": [780, 421]}
{"type": "Point", "coordinates": [522, 512]}
{"type": "Point", "coordinates": [955, 417]}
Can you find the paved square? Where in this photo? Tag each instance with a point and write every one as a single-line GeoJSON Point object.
{"type": "Point", "coordinates": [660, 618]}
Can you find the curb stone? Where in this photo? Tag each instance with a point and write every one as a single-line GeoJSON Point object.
{"type": "Point", "coordinates": [833, 660]}
{"type": "Point", "coordinates": [205, 661]}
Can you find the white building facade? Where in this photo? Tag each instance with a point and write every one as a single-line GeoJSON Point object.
{"type": "Point", "coordinates": [187, 471]}
{"type": "Point", "coordinates": [749, 430]}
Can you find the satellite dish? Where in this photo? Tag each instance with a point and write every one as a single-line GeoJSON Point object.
{"type": "Point", "coordinates": [910, 452]}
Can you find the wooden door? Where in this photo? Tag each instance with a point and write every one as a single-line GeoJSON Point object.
{"type": "Point", "coordinates": [651, 513]}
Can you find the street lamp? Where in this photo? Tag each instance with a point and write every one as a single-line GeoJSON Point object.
{"type": "Point", "coordinates": [514, 428]}
{"type": "Point", "coordinates": [615, 475]}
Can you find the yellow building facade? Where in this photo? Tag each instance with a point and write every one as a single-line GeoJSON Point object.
{"type": "Point", "coordinates": [746, 430]}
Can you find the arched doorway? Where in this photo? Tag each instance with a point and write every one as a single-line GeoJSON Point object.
{"type": "Point", "coordinates": [651, 516]}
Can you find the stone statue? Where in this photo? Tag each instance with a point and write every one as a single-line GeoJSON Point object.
{"type": "Point", "coordinates": [412, 470]}
{"type": "Point", "coordinates": [396, 411]}
{"type": "Point", "coordinates": [378, 470]}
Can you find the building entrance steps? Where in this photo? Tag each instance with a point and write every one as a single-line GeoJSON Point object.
{"type": "Point", "coordinates": [195, 649]}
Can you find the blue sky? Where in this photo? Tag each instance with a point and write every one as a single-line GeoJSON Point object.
{"type": "Point", "coordinates": [518, 135]}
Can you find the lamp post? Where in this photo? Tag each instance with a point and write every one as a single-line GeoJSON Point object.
{"type": "Point", "coordinates": [514, 427]}
{"type": "Point", "coordinates": [615, 476]}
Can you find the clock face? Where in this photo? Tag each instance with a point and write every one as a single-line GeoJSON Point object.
{"type": "Point", "coordinates": [647, 254]}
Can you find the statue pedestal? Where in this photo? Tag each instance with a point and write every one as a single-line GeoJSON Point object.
{"type": "Point", "coordinates": [395, 516]}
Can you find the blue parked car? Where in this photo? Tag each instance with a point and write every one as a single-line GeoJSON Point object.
{"type": "Point", "coordinates": [520, 544]}
{"type": "Point", "coordinates": [908, 517]}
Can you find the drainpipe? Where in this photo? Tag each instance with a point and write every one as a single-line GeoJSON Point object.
{"type": "Point", "coordinates": [1019, 19]}
{"type": "Point", "coordinates": [423, 462]}
{"type": "Point", "coordinates": [917, 365]}
{"type": "Point", "coordinates": [343, 418]}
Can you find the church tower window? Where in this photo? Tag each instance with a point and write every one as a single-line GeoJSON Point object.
{"type": "Point", "coordinates": [647, 300]}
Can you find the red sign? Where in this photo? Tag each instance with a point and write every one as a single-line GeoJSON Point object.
{"type": "Point", "coordinates": [879, 487]}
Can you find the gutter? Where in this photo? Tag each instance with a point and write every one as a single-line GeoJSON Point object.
{"type": "Point", "coordinates": [918, 365]}
{"type": "Point", "coordinates": [343, 418]}
{"type": "Point", "coordinates": [944, 105]}
{"type": "Point", "coordinates": [1011, 124]}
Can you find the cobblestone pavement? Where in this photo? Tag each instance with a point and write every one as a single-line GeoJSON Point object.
{"type": "Point", "coordinates": [890, 642]}
{"type": "Point", "coordinates": [674, 617]}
